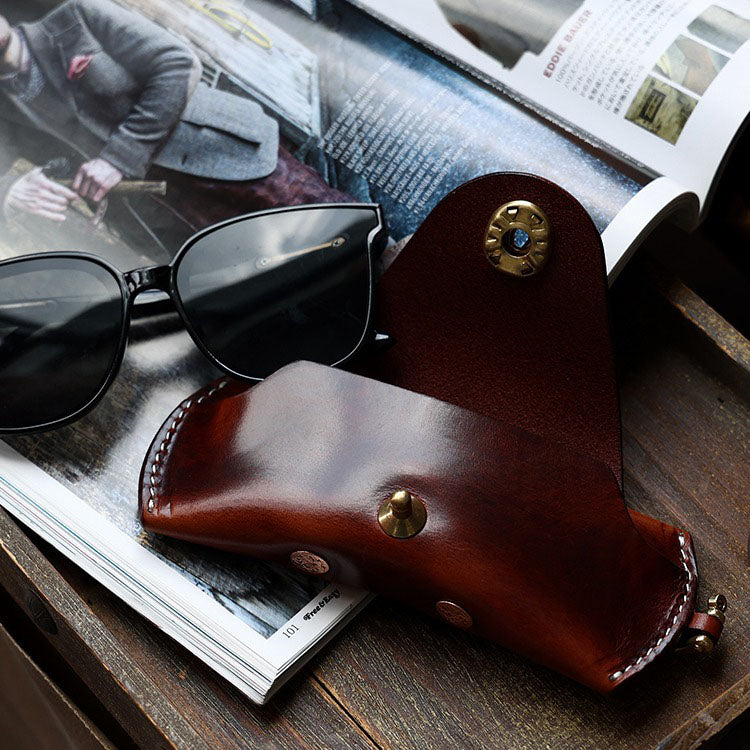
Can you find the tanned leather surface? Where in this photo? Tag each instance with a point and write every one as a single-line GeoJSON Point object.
{"type": "Point", "coordinates": [533, 353]}
{"type": "Point", "coordinates": [706, 624]}
{"type": "Point", "coordinates": [515, 523]}
{"type": "Point", "coordinates": [536, 351]}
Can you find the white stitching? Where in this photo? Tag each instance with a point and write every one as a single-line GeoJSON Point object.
{"type": "Point", "coordinates": [171, 432]}
{"type": "Point", "coordinates": [616, 675]}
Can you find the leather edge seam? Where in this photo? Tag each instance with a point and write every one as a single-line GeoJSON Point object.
{"type": "Point", "coordinates": [648, 654]}
{"type": "Point", "coordinates": [163, 450]}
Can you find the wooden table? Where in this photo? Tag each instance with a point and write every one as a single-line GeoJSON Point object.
{"type": "Point", "coordinates": [397, 679]}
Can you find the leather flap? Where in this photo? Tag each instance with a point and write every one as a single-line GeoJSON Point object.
{"type": "Point", "coordinates": [534, 351]}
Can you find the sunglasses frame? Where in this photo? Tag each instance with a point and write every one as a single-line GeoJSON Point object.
{"type": "Point", "coordinates": [164, 279]}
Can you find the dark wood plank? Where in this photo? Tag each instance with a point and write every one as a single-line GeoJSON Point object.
{"type": "Point", "coordinates": [136, 702]}
{"type": "Point", "coordinates": [727, 340]}
{"type": "Point", "coordinates": [714, 721]}
{"type": "Point", "coordinates": [33, 711]}
{"type": "Point", "coordinates": [712, 340]}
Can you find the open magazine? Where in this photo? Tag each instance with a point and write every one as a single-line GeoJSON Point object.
{"type": "Point", "coordinates": [285, 102]}
{"type": "Point", "coordinates": [660, 86]}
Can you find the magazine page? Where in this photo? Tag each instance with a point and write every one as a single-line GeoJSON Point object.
{"type": "Point", "coordinates": [360, 113]}
{"type": "Point", "coordinates": [375, 115]}
{"type": "Point", "coordinates": [662, 84]}
{"type": "Point", "coordinates": [222, 609]}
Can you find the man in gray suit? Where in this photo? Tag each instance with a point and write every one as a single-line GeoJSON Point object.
{"type": "Point", "coordinates": [122, 96]}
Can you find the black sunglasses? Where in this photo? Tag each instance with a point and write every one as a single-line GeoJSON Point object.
{"type": "Point", "coordinates": [255, 293]}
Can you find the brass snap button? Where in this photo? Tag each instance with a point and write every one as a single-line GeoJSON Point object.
{"type": "Point", "coordinates": [517, 240]}
{"type": "Point", "coordinates": [402, 515]}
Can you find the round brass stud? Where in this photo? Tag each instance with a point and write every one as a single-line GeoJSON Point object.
{"type": "Point", "coordinates": [517, 240]}
{"type": "Point", "coordinates": [309, 563]}
{"type": "Point", "coordinates": [454, 615]}
{"type": "Point", "coordinates": [402, 515]}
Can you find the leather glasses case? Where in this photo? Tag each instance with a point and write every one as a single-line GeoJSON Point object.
{"type": "Point", "coordinates": [505, 431]}
{"type": "Point", "coordinates": [510, 522]}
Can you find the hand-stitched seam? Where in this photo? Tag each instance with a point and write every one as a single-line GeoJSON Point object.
{"type": "Point", "coordinates": [673, 626]}
{"type": "Point", "coordinates": [166, 441]}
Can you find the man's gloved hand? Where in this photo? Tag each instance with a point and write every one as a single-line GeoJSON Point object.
{"type": "Point", "coordinates": [35, 194]}
{"type": "Point", "coordinates": [95, 179]}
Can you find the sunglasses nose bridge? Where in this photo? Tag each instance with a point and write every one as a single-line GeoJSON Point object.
{"type": "Point", "coordinates": [154, 277]}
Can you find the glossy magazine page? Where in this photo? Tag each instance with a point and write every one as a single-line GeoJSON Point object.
{"type": "Point", "coordinates": [363, 114]}
{"type": "Point", "coordinates": [661, 85]}
{"type": "Point", "coordinates": [251, 622]}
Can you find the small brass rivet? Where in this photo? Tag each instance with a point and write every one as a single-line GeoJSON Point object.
{"type": "Point", "coordinates": [402, 515]}
{"type": "Point", "coordinates": [517, 240]}
{"type": "Point", "coordinates": [309, 563]}
{"type": "Point", "coordinates": [701, 644]}
{"type": "Point", "coordinates": [454, 615]}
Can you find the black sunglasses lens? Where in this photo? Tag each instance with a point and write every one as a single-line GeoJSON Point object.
{"type": "Point", "coordinates": [269, 290]}
{"type": "Point", "coordinates": [60, 328]}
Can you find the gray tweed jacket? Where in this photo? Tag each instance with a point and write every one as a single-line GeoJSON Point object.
{"type": "Point", "coordinates": [133, 103]}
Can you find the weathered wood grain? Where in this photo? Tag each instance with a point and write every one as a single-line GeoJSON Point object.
{"type": "Point", "coordinates": [33, 711]}
{"type": "Point", "coordinates": [718, 344]}
{"type": "Point", "coordinates": [137, 702]}
{"type": "Point", "coordinates": [727, 340]}
{"type": "Point", "coordinates": [714, 720]}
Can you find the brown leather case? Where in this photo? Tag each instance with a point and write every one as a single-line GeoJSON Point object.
{"type": "Point", "coordinates": [515, 523]}
{"type": "Point", "coordinates": [534, 353]}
